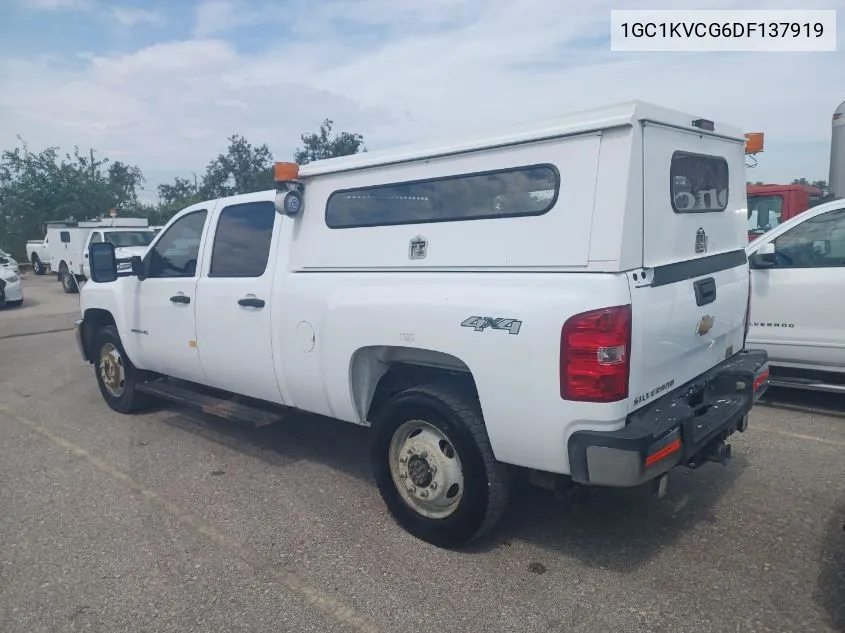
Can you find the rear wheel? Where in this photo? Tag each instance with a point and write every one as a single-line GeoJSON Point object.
{"type": "Point", "coordinates": [117, 377]}
{"type": "Point", "coordinates": [435, 468]}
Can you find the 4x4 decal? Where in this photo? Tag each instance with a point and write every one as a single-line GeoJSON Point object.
{"type": "Point", "coordinates": [479, 324]}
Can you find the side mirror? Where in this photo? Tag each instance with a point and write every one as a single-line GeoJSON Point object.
{"type": "Point", "coordinates": [103, 262]}
{"type": "Point", "coordinates": [821, 247]}
{"type": "Point", "coordinates": [764, 257]}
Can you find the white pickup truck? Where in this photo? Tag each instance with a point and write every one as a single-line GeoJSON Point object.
{"type": "Point", "coordinates": [38, 254]}
{"type": "Point", "coordinates": [567, 299]}
{"type": "Point", "coordinates": [798, 281]}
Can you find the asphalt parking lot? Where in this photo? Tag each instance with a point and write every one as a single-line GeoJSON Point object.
{"type": "Point", "coordinates": [171, 521]}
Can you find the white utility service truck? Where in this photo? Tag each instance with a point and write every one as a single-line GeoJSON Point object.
{"type": "Point", "coordinates": [67, 244]}
{"type": "Point", "coordinates": [568, 300]}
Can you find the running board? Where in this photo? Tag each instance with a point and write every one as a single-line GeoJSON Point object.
{"type": "Point", "coordinates": [220, 407]}
{"type": "Point", "coordinates": [805, 383]}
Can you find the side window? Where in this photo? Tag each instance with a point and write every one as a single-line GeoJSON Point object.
{"type": "Point", "coordinates": [65, 236]}
{"type": "Point", "coordinates": [699, 183]}
{"type": "Point", "coordinates": [764, 213]}
{"type": "Point", "coordinates": [96, 237]}
{"type": "Point", "coordinates": [815, 243]}
{"type": "Point", "coordinates": [176, 253]}
{"type": "Point", "coordinates": [505, 193]}
{"type": "Point", "coordinates": [242, 240]}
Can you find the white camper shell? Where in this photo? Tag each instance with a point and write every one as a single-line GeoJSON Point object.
{"type": "Point", "coordinates": [569, 298]}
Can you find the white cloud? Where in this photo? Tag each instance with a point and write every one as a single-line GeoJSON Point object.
{"type": "Point", "coordinates": [438, 68]}
{"type": "Point", "coordinates": [52, 5]}
{"type": "Point", "coordinates": [217, 16]}
{"type": "Point", "coordinates": [133, 17]}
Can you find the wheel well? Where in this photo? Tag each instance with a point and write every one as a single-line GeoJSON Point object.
{"type": "Point", "coordinates": [94, 319]}
{"type": "Point", "coordinates": [378, 373]}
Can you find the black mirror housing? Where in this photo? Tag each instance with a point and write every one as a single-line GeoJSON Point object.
{"type": "Point", "coordinates": [103, 262]}
{"type": "Point", "coordinates": [762, 260]}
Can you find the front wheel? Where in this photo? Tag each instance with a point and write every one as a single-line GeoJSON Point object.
{"type": "Point", "coordinates": [37, 266]}
{"type": "Point", "coordinates": [435, 468]}
{"type": "Point", "coordinates": [67, 279]}
{"type": "Point", "coordinates": [117, 377]}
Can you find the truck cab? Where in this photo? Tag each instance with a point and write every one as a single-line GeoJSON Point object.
{"type": "Point", "coordinates": [567, 299]}
{"type": "Point", "coordinates": [771, 205]}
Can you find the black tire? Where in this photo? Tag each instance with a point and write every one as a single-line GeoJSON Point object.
{"type": "Point", "coordinates": [2, 296]}
{"type": "Point", "coordinates": [129, 400]}
{"type": "Point", "coordinates": [37, 267]}
{"type": "Point", "coordinates": [486, 485]}
{"type": "Point", "coordinates": [14, 304]}
{"type": "Point", "coordinates": [68, 281]}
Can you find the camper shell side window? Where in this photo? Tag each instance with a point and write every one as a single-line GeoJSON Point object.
{"type": "Point", "coordinates": [505, 193]}
{"type": "Point", "coordinates": [699, 183]}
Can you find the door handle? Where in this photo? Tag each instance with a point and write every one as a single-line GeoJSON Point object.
{"type": "Point", "coordinates": [180, 299]}
{"type": "Point", "coordinates": [705, 291]}
{"type": "Point", "coordinates": [251, 302]}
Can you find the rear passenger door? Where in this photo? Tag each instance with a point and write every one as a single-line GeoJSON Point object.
{"type": "Point", "coordinates": [234, 296]}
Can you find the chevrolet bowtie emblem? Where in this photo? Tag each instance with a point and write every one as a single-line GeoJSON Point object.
{"type": "Point", "coordinates": [705, 325]}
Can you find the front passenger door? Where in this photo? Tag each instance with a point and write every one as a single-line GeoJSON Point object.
{"type": "Point", "coordinates": [797, 304]}
{"type": "Point", "coordinates": [163, 316]}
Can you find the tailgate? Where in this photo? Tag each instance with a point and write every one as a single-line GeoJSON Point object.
{"type": "Point", "coordinates": [673, 338]}
{"type": "Point", "coordinates": [688, 312]}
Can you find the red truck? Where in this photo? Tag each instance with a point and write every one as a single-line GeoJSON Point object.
{"type": "Point", "coordinates": [769, 205]}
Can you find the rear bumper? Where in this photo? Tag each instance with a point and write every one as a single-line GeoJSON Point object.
{"type": "Point", "coordinates": [677, 428]}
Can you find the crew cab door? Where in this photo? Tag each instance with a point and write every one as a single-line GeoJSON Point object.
{"type": "Point", "coordinates": [234, 300]}
{"type": "Point", "coordinates": [161, 314]}
{"type": "Point", "coordinates": [797, 302]}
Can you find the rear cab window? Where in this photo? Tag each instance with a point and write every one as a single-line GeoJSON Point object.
{"type": "Point", "coordinates": [699, 183]}
{"type": "Point", "coordinates": [242, 240]}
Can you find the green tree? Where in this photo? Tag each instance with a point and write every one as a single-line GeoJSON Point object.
{"type": "Point", "coordinates": [320, 145]}
{"type": "Point", "coordinates": [37, 187]}
{"type": "Point", "coordinates": [244, 168]}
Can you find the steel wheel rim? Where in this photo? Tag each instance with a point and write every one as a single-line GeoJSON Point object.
{"type": "Point", "coordinates": [111, 370]}
{"type": "Point", "coordinates": [426, 469]}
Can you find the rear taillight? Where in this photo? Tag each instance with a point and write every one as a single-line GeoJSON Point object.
{"type": "Point", "coordinates": [595, 355]}
{"type": "Point", "coordinates": [747, 311]}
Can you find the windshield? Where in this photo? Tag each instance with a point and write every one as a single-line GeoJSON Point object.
{"type": "Point", "coordinates": [129, 238]}
{"type": "Point", "coordinates": [763, 213]}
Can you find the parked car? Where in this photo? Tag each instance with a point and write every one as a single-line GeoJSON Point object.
{"type": "Point", "coordinates": [459, 299]}
{"type": "Point", "coordinates": [11, 292]}
{"type": "Point", "coordinates": [798, 299]}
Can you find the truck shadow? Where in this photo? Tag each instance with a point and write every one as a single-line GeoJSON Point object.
{"type": "Point", "coordinates": [622, 528]}
{"type": "Point", "coordinates": [796, 399]}
{"type": "Point", "coordinates": [830, 591]}
{"type": "Point", "coordinates": [619, 529]}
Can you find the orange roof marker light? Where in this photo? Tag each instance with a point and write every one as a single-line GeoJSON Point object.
{"type": "Point", "coordinates": [753, 142]}
{"type": "Point", "coordinates": [285, 172]}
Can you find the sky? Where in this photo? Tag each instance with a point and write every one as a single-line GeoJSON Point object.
{"type": "Point", "coordinates": [162, 84]}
